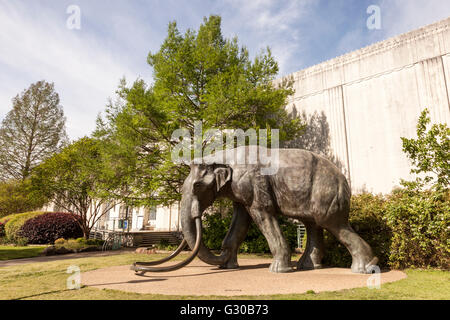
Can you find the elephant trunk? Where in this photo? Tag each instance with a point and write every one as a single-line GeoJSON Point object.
{"type": "Point", "coordinates": [190, 211]}
{"type": "Point", "coordinates": [143, 268]}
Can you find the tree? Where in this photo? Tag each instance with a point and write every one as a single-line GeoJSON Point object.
{"type": "Point", "coordinates": [33, 130]}
{"type": "Point", "coordinates": [198, 76]}
{"type": "Point", "coordinates": [77, 180]}
{"type": "Point", "coordinates": [18, 196]}
{"type": "Point", "coordinates": [429, 153]}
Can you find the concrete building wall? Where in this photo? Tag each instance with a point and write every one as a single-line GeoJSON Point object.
{"type": "Point", "coordinates": [370, 98]}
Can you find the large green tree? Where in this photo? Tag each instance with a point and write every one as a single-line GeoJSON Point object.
{"type": "Point", "coordinates": [18, 196]}
{"type": "Point", "coordinates": [429, 153]}
{"type": "Point", "coordinates": [79, 180]}
{"type": "Point", "coordinates": [33, 130]}
{"type": "Point", "coordinates": [198, 76]}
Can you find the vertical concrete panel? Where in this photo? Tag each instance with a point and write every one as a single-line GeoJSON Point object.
{"type": "Point", "coordinates": [446, 39]}
{"type": "Point", "coordinates": [446, 66]}
{"type": "Point", "coordinates": [379, 111]}
{"type": "Point", "coordinates": [328, 103]}
{"type": "Point", "coordinates": [338, 141]}
{"type": "Point", "coordinates": [432, 89]}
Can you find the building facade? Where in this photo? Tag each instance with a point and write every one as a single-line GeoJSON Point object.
{"type": "Point", "coordinates": [134, 219]}
{"type": "Point", "coordinates": [360, 104]}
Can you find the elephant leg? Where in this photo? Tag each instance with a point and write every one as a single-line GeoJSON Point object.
{"type": "Point", "coordinates": [236, 234]}
{"type": "Point", "coordinates": [362, 257]}
{"type": "Point", "coordinates": [268, 224]}
{"type": "Point", "coordinates": [312, 257]}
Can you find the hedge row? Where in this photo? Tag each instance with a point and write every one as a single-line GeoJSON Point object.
{"type": "Point", "coordinates": [366, 218]}
{"type": "Point", "coordinates": [404, 229]}
{"type": "Point", "coordinates": [15, 223]}
{"type": "Point", "coordinates": [39, 227]}
{"type": "Point", "coordinates": [420, 224]}
{"type": "Point", "coordinates": [2, 228]}
{"type": "Point", "coordinates": [216, 228]}
{"type": "Point", "coordinates": [51, 226]}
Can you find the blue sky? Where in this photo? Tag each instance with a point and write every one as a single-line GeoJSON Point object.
{"type": "Point", "coordinates": [116, 36]}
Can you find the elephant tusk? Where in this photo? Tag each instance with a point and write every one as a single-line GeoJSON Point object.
{"type": "Point", "coordinates": [173, 255]}
{"type": "Point", "coordinates": [143, 268]}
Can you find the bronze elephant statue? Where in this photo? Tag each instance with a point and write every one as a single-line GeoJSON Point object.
{"type": "Point", "coordinates": [305, 186]}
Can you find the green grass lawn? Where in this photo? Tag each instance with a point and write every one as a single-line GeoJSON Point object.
{"type": "Point", "coordinates": [47, 280]}
{"type": "Point", "coordinates": [12, 252]}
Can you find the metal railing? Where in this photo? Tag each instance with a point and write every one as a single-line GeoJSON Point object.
{"type": "Point", "coordinates": [301, 232]}
{"type": "Point", "coordinates": [116, 240]}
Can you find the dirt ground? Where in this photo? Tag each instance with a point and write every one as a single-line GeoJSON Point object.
{"type": "Point", "coordinates": [253, 278]}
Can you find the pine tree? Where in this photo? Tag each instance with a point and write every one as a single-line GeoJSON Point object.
{"type": "Point", "coordinates": [33, 130]}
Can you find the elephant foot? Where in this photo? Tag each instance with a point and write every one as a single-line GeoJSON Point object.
{"type": "Point", "coordinates": [306, 262]}
{"type": "Point", "coordinates": [278, 266]}
{"type": "Point", "coordinates": [362, 266]}
{"type": "Point", "coordinates": [306, 266]}
{"type": "Point", "coordinates": [229, 265]}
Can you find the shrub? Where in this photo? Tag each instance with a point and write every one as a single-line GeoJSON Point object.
{"type": "Point", "coordinates": [21, 241]}
{"type": "Point", "coordinates": [94, 242]}
{"type": "Point", "coordinates": [255, 242]}
{"type": "Point", "coordinates": [429, 153]}
{"type": "Point", "coordinates": [15, 223]}
{"type": "Point", "coordinates": [2, 228]}
{"type": "Point", "coordinates": [60, 241]}
{"type": "Point", "coordinates": [79, 244]}
{"type": "Point", "coordinates": [216, 228]}
{"type": "Point", "coordinates": [6, 218]}
{"type": "Point", "coordinates": [51, 226]}
{"type": "Point", "coordinates": [420, 223]}
{"type": "Point", "coordinates": [366, 218]}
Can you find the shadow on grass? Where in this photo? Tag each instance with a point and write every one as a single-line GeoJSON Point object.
{"type": "Point", "coordinates": [41, 294]}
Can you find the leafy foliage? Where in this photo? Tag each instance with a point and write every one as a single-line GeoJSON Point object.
{"type": "Point", "coordinates": [216, 228]}
{"type": "Point", "coordinates": [15, 223]}
{"type": "Point", "coordinates": [429, 153]}
{"type": "Point", "coordinates": [33, 130]}
{"type": "Point", "coordinates": [18, 196]}
{"type": "Point", "coordinates": [367, 219]}
{"type": "Point", "coordinates": [198, 76]}
{"type": "Point", "coordinates": [420, 224]}
{"type": "Point", "coordinates": [2, 229]}
{"type": "Point", "coordinates": [79, 180]}
{"type": "Point", "coordinates": [405, 229]}
{"type": "Point", "coordinates": [50, 226]}
{"type": "Point", "coordinates": [79, 243]}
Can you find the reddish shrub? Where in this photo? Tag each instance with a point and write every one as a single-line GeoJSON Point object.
{"type": "Point", "coordinates": [2, 228]}
{"type": "Point", "coordinates": [50, 226]}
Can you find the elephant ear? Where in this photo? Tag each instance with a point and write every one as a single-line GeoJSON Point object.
{"type": "Point", "coordinates": [223, 175]}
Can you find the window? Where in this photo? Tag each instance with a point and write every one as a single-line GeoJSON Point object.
{"type": "Point", "coordinates": [152, 215]}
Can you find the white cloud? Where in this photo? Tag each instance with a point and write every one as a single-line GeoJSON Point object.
{"type": "Point", "coordinates": [273, 23]}
{"type": "Point", "coordinates": [36, 47]}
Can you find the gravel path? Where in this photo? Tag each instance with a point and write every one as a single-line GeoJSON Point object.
{"type": "Point", "coordinates": [253, 278]}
